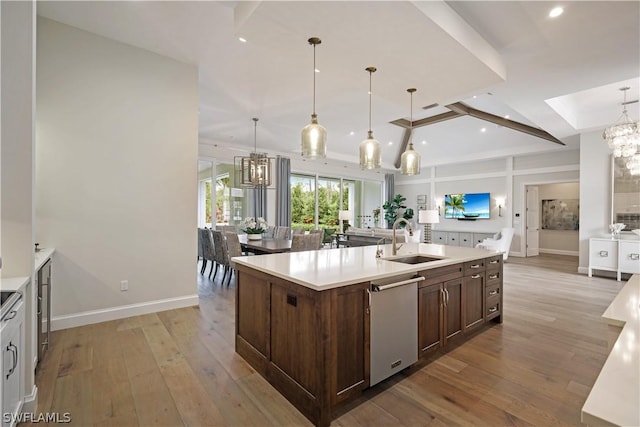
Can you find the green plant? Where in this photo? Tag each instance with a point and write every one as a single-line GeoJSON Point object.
{"type": "Point", "coordinates": [456, 203]}
{"type": "Point", "coordinates": [392, 209]}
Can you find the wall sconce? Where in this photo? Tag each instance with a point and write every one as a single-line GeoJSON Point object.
{"type": "Point", "coordinates": [500, 203]}
{"type": "Point", "coordinates": [438, 204]}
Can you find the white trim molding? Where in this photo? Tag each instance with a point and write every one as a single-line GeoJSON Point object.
{"type": "Point", "coordinates": [113, 313]}
{"type": "Point", "coordinates": [558, 252]}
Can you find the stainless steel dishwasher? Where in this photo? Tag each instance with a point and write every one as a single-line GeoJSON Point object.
{"type": "Point", "coordinates": [394, 325]}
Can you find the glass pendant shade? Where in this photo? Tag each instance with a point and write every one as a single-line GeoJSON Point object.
{"type": "Point", "coordinates": [314, 140]}
{"type": "Point", "coordinates": [314, 136]}
{"type": "Point", "coordinates": [623, 137]}
{"type": "Point", "coordinates": [410, 159]}
{"type": "Point", "coordinates": [410, 162]}
{"type": "Point", "coordinates": [370, 153]}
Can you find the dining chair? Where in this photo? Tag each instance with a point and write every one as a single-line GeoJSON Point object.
{"type": "Point", "coordinates": [233, 249]}
{"type": "Point", "coordinates": [208, 250]}
{"type": "Point", "coordinates": [306, 242]}
{"type": "Point", "coordinates": [220, 252]}
{"type": "Point", "coordinates": [200, 256]}
{"type": "Point", "coordinates": [297, 231]}
{"type": "Point", "coordinates": [270, 231]}
{"type": "Point", "coordinates": [282, 232]}
{"type": "Point", "coordinates": [321, 233]}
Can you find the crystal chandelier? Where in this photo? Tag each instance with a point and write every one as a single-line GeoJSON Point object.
{"type": "Point", "coordinates": [410, 159]}
{"type": "Point", "coordinates": [314, 136]}
{"type": "Point", "coordinates": [370, 154]}
{"type": "Point", "coordinates": [255, 170]}
{"type": "Point", "coordinates": [623, 136]}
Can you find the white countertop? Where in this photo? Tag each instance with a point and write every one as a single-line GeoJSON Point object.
{"type": "Point", "coordinates": [15, 283]}
{"type": "Point", "coordinates": [615, 396]}
{"type": "Point", "coordinates": [333, 268]}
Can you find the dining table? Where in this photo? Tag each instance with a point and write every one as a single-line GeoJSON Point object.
{"type": "Point", "coordinates": [266, 245]}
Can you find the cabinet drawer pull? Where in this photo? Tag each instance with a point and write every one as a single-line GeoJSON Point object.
{"type": "Point", "coordinates": [493, 293]}
{"type": "Point", "coordinates": [475, 276]}
{"type": "Point", "coordinates": [634, 257]}
{"type": "Point", "coordinates": [493, 276]}
{"type": "Point", "coordinates": [604, 253]}
{"type": "Point", "coordinates": [495, 261]}
{"type": "Point", "coordinates": [474, 266]}
{"type": "Point", "coordinates": [493, 309]}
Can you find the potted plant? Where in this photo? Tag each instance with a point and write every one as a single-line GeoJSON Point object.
{"type": "Point", "coordinates": [396, 207]}
{"type": "Point", "coordinates": [376, 217]}
{"type": "Point", "coordinates": [254, 228]}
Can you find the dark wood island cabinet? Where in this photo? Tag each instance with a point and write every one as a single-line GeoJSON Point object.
{"type": "Point", "coordinates": [313, 345]}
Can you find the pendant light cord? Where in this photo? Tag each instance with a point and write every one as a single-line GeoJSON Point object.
{"type": "Point", "coordinates": [370, 73]}
{"type": "Point", "coordinates": [314, 79]}
{"type": "Point", "coordinates": [255, 135]}
{"type": "Point", "coordinates": [411, 117]}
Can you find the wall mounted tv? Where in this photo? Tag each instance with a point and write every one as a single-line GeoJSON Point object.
{"type": "Point", "coordinates": [467, 206]}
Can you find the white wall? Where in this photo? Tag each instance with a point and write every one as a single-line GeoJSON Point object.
{"type": "Point", "coordinates": [564, 242]}
{"type": "Point", "coordinates": [116, 173]}
{"type": "Point", "coordinates": [595, 191]}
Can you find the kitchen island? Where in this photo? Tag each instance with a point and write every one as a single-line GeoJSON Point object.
{"type": "Point", "coordinates": [303, 319]}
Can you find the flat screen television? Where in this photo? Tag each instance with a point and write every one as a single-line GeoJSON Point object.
{"type": "Point", "coordinates": [467, 206]}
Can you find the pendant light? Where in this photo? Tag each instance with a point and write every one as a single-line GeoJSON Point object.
{"type": "Point", "coordinates": [255, 170]}
{"type": "Point", "coordinates": [314, 136]}
{"type": "Point", "coordinates": [370, 153]}
{"type": "Point", "coordinates": [410, 159]}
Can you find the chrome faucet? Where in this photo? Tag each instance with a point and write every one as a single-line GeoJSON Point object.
{"type": "Point", "coordinates": [394, 249]}
{"type": "Point", "coordinates": [379, 252]}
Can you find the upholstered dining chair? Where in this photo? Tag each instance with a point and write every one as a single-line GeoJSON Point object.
{"type": "Point", "coordinates": [297, 231]}
{"type": "Point", "coordinates": [282, 232]}
{"type": "Point", "coordinates": [233, 249]}
{"type": "Point", "coordinates": [208, 251]}
{"type": "Point", "coordinates": [321, 233]}
{"type": "Point", "coordinates": [306, 242]}
{"type": "Point", "coordinates": [220, 252]}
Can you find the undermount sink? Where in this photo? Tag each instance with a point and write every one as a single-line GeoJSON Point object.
{"type": "Point", "coordinates": [413, 259]}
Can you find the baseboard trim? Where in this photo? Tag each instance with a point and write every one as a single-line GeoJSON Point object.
{"type": "Point", "coordinates": [583, 270]}
{"type": "Point", "coordinates": [559, 252]}
{"type": "Point", "coordinates": [96, 316]}
{"type": "Point", "coordinates": [30, 402]}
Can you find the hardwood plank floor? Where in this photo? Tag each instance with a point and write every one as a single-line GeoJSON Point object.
{"type": "Point", "coordinates": [179, 367]}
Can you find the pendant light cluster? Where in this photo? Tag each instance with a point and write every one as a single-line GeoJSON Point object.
{"type": "Point", "coordinates": [370, 153]}
{"type": "Point", "coordinates": [314, 136]}
{"type": "Point", "coordinates": [410, 159]}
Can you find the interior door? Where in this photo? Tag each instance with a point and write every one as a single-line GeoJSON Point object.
{"type": "Point", "coordinates": [533, 221]}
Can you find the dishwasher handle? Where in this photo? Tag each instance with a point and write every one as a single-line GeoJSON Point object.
{"type": "Point", "coordinates": [380, 288]}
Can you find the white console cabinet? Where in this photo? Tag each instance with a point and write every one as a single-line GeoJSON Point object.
{"type": "Point", "coordinates": [618, 255]}
{"type": "Point", "coordinates": [458, 238]}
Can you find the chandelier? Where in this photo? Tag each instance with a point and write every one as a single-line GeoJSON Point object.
{"type": "Point", "coordinates": [314, 136]}
{"type": "Point", "coordinates": [410, 159]}
{"type": "Point", "coordinates": [623, 136]}
{"type": "Point", "coordinates": [370, 154]}
{"type": "Point", "coordinates": [633, 164]}
{"type": "Point", "coordinates": [255, 170]}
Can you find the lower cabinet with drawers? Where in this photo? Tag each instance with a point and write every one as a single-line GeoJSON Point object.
{"type": "Point", "coordinates": [617, 255]}
{"type": "Point", "coordinates": [459, 238]}
{"type": "Point", "coordinates": [455, 300]}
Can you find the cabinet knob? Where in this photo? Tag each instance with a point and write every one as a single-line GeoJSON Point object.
{"type": "Point", "coordinates": [604, 253]}
{"type": "Point", "coordinates": [634, 257]}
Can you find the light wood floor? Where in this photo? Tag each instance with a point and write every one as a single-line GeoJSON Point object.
{"type": "Point", "coordinates": [179, 367]}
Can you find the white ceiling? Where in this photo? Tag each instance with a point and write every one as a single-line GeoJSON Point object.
{"type": "Point", "coordinates": [560, 74]}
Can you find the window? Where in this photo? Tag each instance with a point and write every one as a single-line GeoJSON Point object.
{"type": "Point", "coordinates": [223, 199]}
{"type": "Point", "coordinates": [205, 212]}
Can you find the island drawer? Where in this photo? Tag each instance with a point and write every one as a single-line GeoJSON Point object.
{"type": "Point", "coordinates": [494, 262]}
{"type": "Point", "coordinates": [440, 274]}
{"type": "Point", "coordinates": [473, 267]}
{"type": "Point", "coordinates": [493, 291]}
{"type": "Point", "coordinates": [493, 277]}
{"type": "Point", "coordinates": [494, 307]}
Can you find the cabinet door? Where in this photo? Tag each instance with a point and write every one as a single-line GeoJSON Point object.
{"type": "Point", "coordinates": [603, 254]}
{"type": "Point", "coordinates": [473, 295]}
{"type": "Point", "coordinates": [629, 257]}
{"type": "Point", "coordinates": [430, 299]}
{"type": "Point", "coordinates": [453, 309]}
{"type": "Point", "coordinates": [466, 240]}
{"type": "Point", "coordinates": [439, 237]}
{"type": "Point", "coordinates": [453, 238]}
{"type": "Point", "coordinates": [12, 366]}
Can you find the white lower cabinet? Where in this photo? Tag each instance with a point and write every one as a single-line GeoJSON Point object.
{"type": "Point", "coordinates": [13, 362]}
{"type": "Point", "coordinates": [620, 256]}
{"type": "Point", "coordinates": [458, 238]}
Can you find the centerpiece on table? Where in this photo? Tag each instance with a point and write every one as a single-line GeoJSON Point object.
{"type": "Point", "coordinates": [254, 227]}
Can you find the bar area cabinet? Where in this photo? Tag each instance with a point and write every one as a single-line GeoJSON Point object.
{"type": "Point", "coordinates": [44, 308]}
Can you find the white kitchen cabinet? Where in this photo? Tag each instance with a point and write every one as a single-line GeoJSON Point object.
{"type": "Point", "coordinates": [458, 238]}
{"type": "Point", "coordinates": [13, 362]}
{"type": "Point", "coordinates": [617, 255]}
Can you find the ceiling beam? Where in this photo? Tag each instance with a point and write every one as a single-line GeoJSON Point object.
{"type": "Point", "coordinates": [403, 146]}
{"type": "Point", "coordinates": [464, 109]}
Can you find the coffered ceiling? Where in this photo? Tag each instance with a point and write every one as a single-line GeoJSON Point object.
{"type": "Point", "coordinates": [506, 58]}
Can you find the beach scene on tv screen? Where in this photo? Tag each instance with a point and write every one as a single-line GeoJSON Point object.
{"type": "Point", "coordinates": [467, 205]}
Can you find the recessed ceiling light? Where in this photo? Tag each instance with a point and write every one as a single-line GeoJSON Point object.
{"type": "Point", "coordinates": [474, 97]}
{"type": "Point", "coordinates": [352, 133]}
{"type": "Point", "coordinates": [483, 130]}
{"type": "Point", "coordinates": [316, 70]}
{"type": "Point", "coordinates": [424, 142]}
{"type": "Point", "coordinates": [506, 116]}
{"type": "Point", "coordinates": [555, 12]}
{"type": "Point", "coordinates": [390, 142]}
{"type": "Point", "coordinates": [242, 39]}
